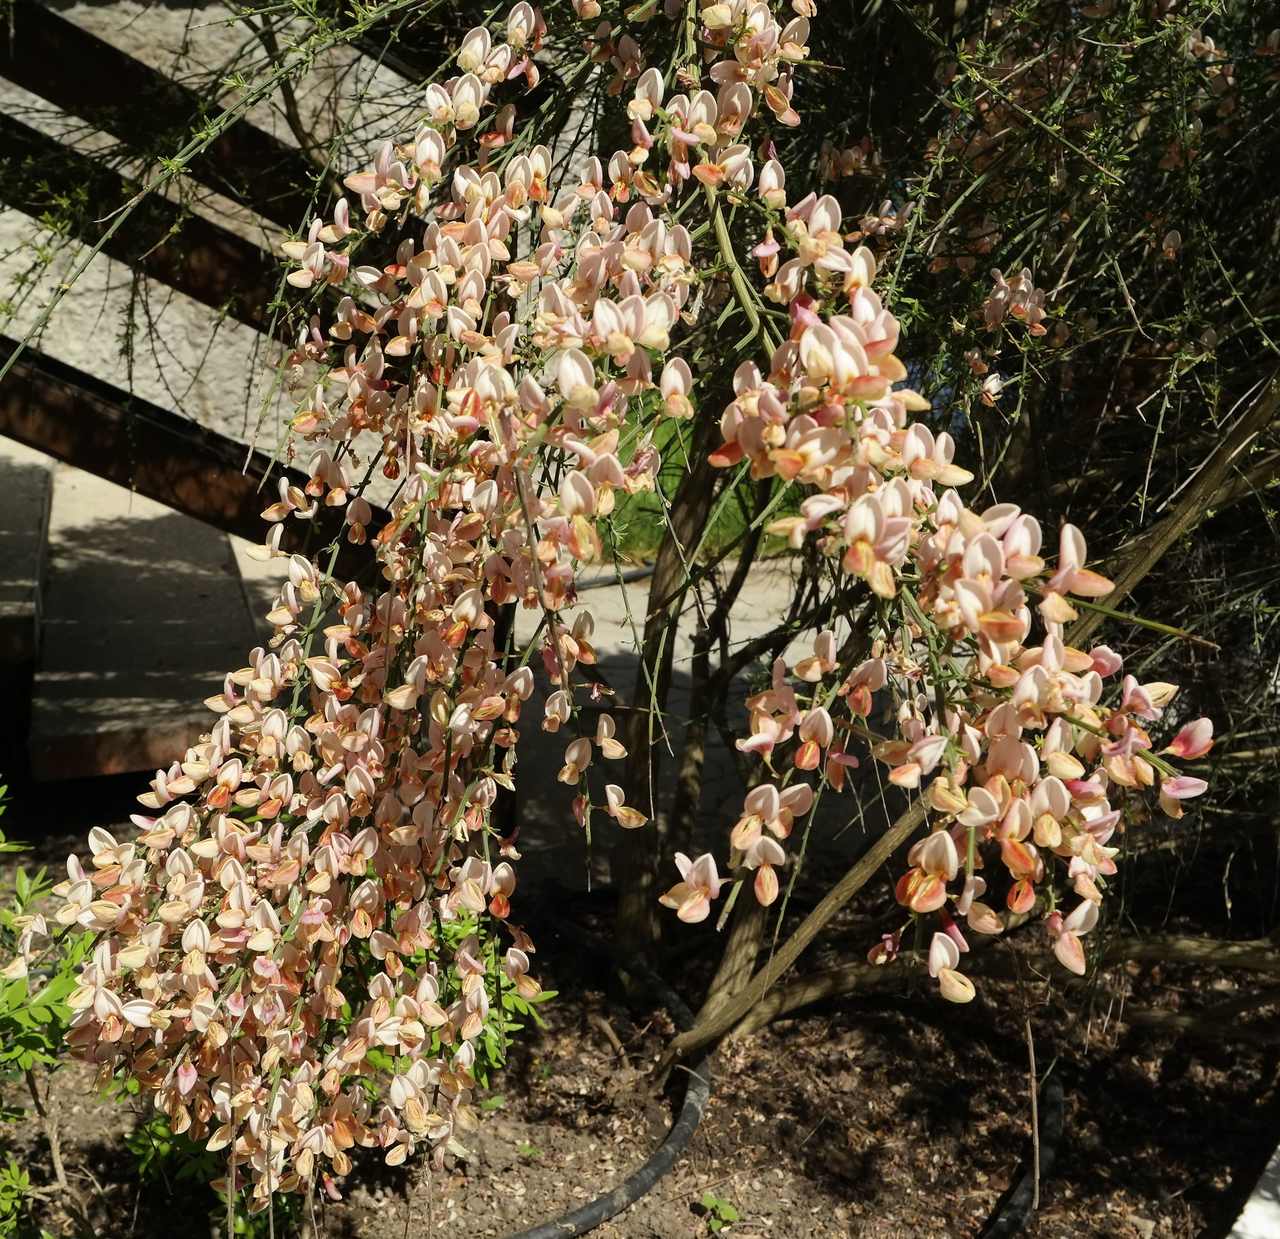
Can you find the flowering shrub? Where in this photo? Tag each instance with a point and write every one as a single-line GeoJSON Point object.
{"type": "Point", "coordinates": [309, 941]}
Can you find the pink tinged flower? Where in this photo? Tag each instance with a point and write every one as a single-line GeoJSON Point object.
{"type": "Point", "coordinates": [341, 226]}
{"type": "Point", "coordinates": [577, 757]}
{"type": "Point", "coordinates": [691, 897]}
{"type": "Point", "coordinates": [676, 384]}
{"type": "Point", "coordinates": [943, 953]}
{"type": "Point", "coordinates": [983, 919]}
{"type": "Point", "coordinates": [1105, 660]}
{"type": "Point", "coordinates": [1072, 577]}
{"type": "Point", "coordinates": [622, 813]}
{"type": "Point", "coordinates": [768, 248]}
{"type": "Point", "coordinates": [474, 49]}
{"type": "Point", "coordinates": [522, 25]}
{"type": "Point", "coordinates": [764, 802]}
{"type": "Point", "coordinates": [1136, 699]}
{"type": "Point", "coordinates": [937, 855]}
{"type": "Point", "coordinates": [981, 808]}
{"type": "Point", "coordinates": [868, 678]}
{"type": "Point", "coordinates": [1174, 791]}
{"type": "Point", "coordinates": [923, 888]}
{"type": "Point", "coordinates": [765, 855]}
{"type": "Point", "coordinates": [187, 1077]}
{"type": "Point", "coordinates": [1068, 932]}
{"type": "Point", "coordinates": [772, 184]}
{"type": "Point", "coordinates": [557, 710]}
{"type": "Point", "coordinates": [577, 495]}
{"type": "Point", "coordinates": [1193, 740]}
{"type": "Point", "coordinates": [801, 310]}
{"type": "Point", "coordinates": [838, 761]}
{"type": "Point", "coordinates": [766, 885]}
{"type": "Point", "coordinates": [795, 802]}
{"type": "Point", "coordinates": [606, 732]}
{"type": "Point", "coordinates": [1021, 897]}
{"type": "Point", "coordinates": [764, 851]}
{"type": "Point", "coordinates": [576, 379]}
{"type": "Point", "coordinates": [1184, 787]}
{"type": "Point", "coordinates": [733, 167]}
{"type": "Point", "coordinates": [927, 457]}
{"type": "Point", "coordinates": [816, 733]}
{"type": "Point", "coordinates": [648, 96]}
{"type": "Point", "coordinates": [974, 888]}
{"type": "Point", "coordinates": [823, 662]}
{"type": "Point", "coordinates": [952, 929]}
{"type": "Point", "coordinates": [944, 959]}
{"type": "Point", "coordinates": [927, 752]}
{"type": "Point", "coordinates": [779, 100]}
{"type": "Point", "coordinates": [766, 733]}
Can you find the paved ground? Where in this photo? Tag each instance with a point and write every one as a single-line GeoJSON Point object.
{"type": "Point", "coordinates": [25, 483]}
{"type": "Point", "coordinates": [1261, 1216]}
{"type": "Point", "coordinates": [145, 611]}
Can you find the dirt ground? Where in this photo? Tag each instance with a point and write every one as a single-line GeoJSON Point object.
{"type": "Point", "coordinates": [886, 1114]}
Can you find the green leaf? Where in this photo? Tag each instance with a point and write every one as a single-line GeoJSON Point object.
{"type": "Point", "coordinates": [381, 1060]}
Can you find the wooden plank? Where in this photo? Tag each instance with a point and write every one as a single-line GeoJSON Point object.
{"type": "Point", "coordinates": [209, 264]}
{"type": "Point", "coordinates": [87, 423]}
{"type": "Point", "coordinates": [409, 46]}
{"type": "Point", "coordinates": [84, 75]}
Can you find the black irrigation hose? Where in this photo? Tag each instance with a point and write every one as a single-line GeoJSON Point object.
{"type": "Point", "coordinates": [616, 578]}
{"type": "Point", "coordinates": [631, 1189]}
{"type": "Point", "coordinates": [1010, 1217]}
{"type": "Point", "coordinates": [1013, 1210]}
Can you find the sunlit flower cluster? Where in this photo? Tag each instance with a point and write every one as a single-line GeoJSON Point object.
{"type": "Point", "coordinates": [1018, 297]}
{"type": "Point", "coordinates": [1014, 739]}
{"type": "Point", "coordinates": [302, 947]}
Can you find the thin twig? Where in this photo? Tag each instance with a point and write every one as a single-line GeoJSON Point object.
{"type": "Point", "coordinates": [1035, 1120]}
{"type": "Point", "coordinates": [49, 1125]}
{"type": "Point", "coordinates": [599, 1021]}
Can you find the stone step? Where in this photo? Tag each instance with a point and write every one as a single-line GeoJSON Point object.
{"type": "Point", "coordinates": [26, 481]}
{"type": "Point", "coordinates": [1260, 1218]}
{"type": "Point", "coordinates": [145, 611]}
